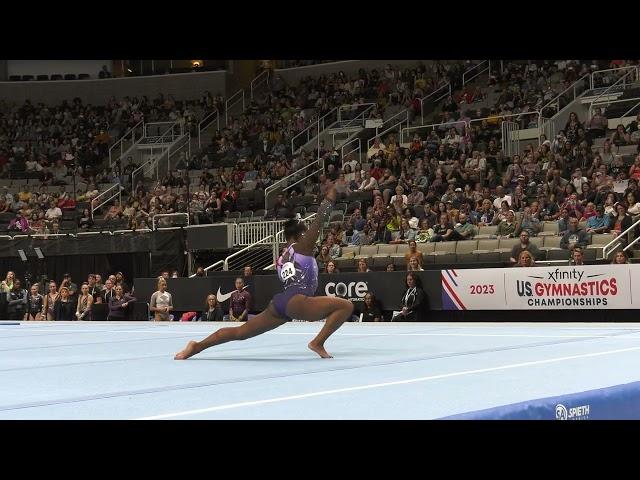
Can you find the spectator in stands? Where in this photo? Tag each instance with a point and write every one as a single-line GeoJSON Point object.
{"type": "Point", "coordinates": [323, 257]}
{"type": "Point", "coordinates": [633, 206]}
{"type": "Point", "coordinates": [464, 229]}
{"type": "Point", "coordinates": [413, 265]}
{"type": "Point", "coordinates": [362, 266]}
{"type": "Point", "coordinates": [528, 223]}
{"type": "Point", "coordinates": [371, 311]}
{"type": "Point", "coordinates": [620, 138]}
{"type": "Point", "coordinates": [391, 267]}
{"type": "Point", "coordinates": [501, 196]}
{"type": "Point", "coordinates": [19, 223]}
{"type": "Point", "coordinates": [443, 230]}
{"type": "Point", "coordinates": [213, 311]}
{"type": "Point", "coordinates": [53, 213]}
{"type": "Point", "coordinates": [620, 258]}
{"type": "Point", "coordinates": [507, 227]}
{"type": "Point", "coordinates": [85, 300]}
{"type": "Point", "coordinates": [599, 223]}
{"type": "Point", "coordinates": [17, 301]}
{"type": "Point", "coordinates": [525, 259]}
{"type": "Point", "coordinates": [64, 308]}
{"type": "Point", "coordinates": [620, 221]}
{"type": "Point", "coordinates": [634, 170]}
{"type": "Point", "coordinates": [524, 244]}
{"type": "Point", "coordinates": [335, 250]}
{"type": "Point", "coordinates": [175, 274]}
{"type": "Point", "coordinates": [247, 271]}
{"type": "Point", "coordinates": [85, 221]}
{"type": "Point", "coordinates": [598, 125]}
{"type": "Point", "coordinates": [165, 274]}
{"type": "Point", "coordinates": [200, 272]}
{"type": "Point", "coordinates": [413, 252]}
{"type": "Point", "coordinates": [119, 304]}
{"type": "Point", "coordinates": [330, 267]}
{"type": "Point", "coordinates": [413, 300]}
{"type": "Point", "coordinates": [577, 257]}
{"type": "Point", "coordinates": [239, 303]}
{"type": "Point", "coordinates": [574, 236]}
{"type": "Point", "coordinates": [161, 302]}
{"type": "Point", "coordinates": [359, 237]}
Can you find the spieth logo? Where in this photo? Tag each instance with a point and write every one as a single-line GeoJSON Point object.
{"type": "Point", "coordinates": [352, 290]}
{"type": "Point", "coordinates": [573, 413]}
{"type": "Point", "coordinates": [561, 412]}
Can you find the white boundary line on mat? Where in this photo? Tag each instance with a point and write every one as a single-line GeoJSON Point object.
{"type": "Point", "coordinates": [380, 385]}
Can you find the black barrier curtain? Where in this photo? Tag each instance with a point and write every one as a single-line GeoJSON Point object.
{"type": "Point", "coordinates": [132, 265]}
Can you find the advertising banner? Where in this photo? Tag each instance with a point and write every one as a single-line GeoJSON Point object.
{"type": "Point", "coordinates": [567, 287]}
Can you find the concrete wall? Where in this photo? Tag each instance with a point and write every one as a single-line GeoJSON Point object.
{"type": "Point", "coordinates": [183, 86]}
{"type": "Point", "coordinates": [347, 66]}
{"type": "Point", "coordinates": [62, 67]}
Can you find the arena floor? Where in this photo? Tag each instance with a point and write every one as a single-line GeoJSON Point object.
{"type": "Point", "coordinates": [119, 370]}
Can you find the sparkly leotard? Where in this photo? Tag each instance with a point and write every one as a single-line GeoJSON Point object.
{"type": "Point", "coordinates": [298, 273]}
{"type": "Point", "coordinates": [299, 276]}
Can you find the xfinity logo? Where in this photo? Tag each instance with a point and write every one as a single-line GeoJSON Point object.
{"type": "Point", "coordinates": [557, 275]}
{"type": "Point", "coordinates": [573, 413]}
{"type": "Point", "coordinates": [353, 290]}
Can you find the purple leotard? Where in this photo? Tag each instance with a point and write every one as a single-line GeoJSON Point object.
{"type": "Point", "coordinates": [299, 275]}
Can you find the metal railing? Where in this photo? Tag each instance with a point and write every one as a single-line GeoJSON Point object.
{"type": "Point", "coordinates": [206, 122]}
{"type": "Point", "coordinates": [255, 257]}
{"type": "Point", "coordinates": [632, 108]}
{"type": "Point", "coordinates": [613, 244]}
{"type": "Point", "coordinates": [469, 74]}
{"type": "Point", "coordinates": [510, 145]}
{"type": "Point", "coordinates": [145, 169]}
{"type": "Point", "coordinates": [232, 103]}
{"type": "Point", "coordinates": [357, 149]}
{"type": "Point", "coordinates": [251, 232]}
{"type": "Point", "coordinates": [447, 91]}
{"type": "Point", "coordinates": [606, 91]}
{"type": "Point", "coordinates": [112, 192]}
{"type": "Point", "coordinates": [555, 101]}
{"type": "Point", "coordinates": [316, 167]}
{"type": "Point", "coordinates": [356, 120]}
{"type": "Point", "coordinates": [120, 143]}
{"type": "Point", "coordinates": [213, 266]}
{"type": "Point", "coordinates": [182, 144]}
{"type": "Point", "coordinates": [396, 120]}
{"type": "Point", "coordinates": [165, 132]}
{"type": "Point", "coordinates": [316, 127]}
{"type": "Point", "coordinates": [167, 215]}
{"type": "Point", "coordinates": [257, 81]}
{"type": "Point", "coordinates": [139, 230]}
{"type": "Point", "coordinates": [593, 75]}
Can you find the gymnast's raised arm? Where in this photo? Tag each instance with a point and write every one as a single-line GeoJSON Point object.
{"type": "Point", "coordinates": [308, 242]}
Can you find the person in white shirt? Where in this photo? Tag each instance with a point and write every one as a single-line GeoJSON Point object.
{"type": "Point", "coordinates": [501, 197]}
{"type": "Point", "coordinates": [53, 212]}
{"type": "Point", "coordinates": [399, 195]}
{"type": "Point", "coordinates": [376, 147]}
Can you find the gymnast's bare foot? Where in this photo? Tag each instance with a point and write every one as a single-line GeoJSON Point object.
{"type": "Point", "coordinates": [190, 350]}
{"type": "Point", "coordinates": [319, 349]}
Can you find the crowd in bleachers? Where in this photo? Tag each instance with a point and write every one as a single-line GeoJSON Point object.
{"type": "Point", "coordinates": [448, 185]}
